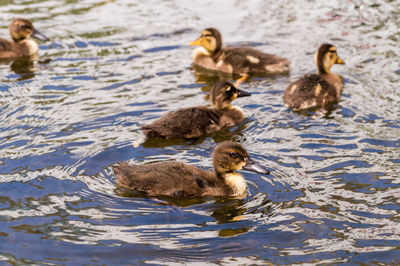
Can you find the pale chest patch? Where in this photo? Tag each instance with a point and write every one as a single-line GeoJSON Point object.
{"type": "Point", "coordinates": [237, 183]}
{"type": "Point", "coordinates": [238, 109]}
{"type": "Point", "coordinates": [33, 47]}
{"type": "Point", "coordinates": [199, 51]}
{"type": "Point", "coordinates": [317, 90]}
{"type": "Point", "coordinates": [252, 59]}
{"type": "Point", "coordinates": [336, 81]}
{"type": "Point", "coordinates": [292, 89]}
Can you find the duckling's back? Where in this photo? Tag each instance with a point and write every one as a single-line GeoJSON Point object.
{"type": "Point", "coordinates": [7, 50]}
{"type": "Point", "coordinates": [184, 123]}
{"type": "Point", "coordinates": [308, 92]}
{"type": "Point", "coordinates": [169, 179]}
{"type": "Point", "coordinates": [5, 45]}
{"type": "Point", "coordinates": [248, 60]}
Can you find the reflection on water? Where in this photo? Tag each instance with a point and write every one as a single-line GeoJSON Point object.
{"type": "Point", "coordinates": [72, 112]}
{"type": "Point", "coordinates": [23, 67]}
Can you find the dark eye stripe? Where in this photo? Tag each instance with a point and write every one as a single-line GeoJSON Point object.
{"type": "Point", "coordinates": [234, 155]}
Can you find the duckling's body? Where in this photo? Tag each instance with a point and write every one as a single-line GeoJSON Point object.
{"type": "Point", "coordinates": [235, 60]}
{"type": "Point", "coordinates": [182, 180]}
{"type": "Point", "coordinates": [161, 179]}
{"type": "Point", "coordinates": [20, 30]}
{"type": "Point", "coordinates": [317, 90]}
{"type": "Point", "coordinates": [14, 50]}
{"type": "Point", "coordinates": [194, 122]}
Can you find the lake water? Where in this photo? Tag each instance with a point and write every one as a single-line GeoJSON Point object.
{"type": "Point", "coordinates": [333, 195]}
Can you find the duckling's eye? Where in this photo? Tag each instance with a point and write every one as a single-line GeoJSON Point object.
{"type": "Point", "coordinates": [234, 155]}
{"type": "Point", "coordinates": [24, 26]}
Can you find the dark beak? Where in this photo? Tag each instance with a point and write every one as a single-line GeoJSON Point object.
{"type": "Point", "coordinates": [255, 167]}
{"type": "Point", "coordinates": [242, 93]}
{"type": "Point", "coordinates": [36, 34]}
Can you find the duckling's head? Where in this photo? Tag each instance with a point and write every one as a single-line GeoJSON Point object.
{"type": "Point", "coordinates": [230, 156]}
{"type": "Point", "coordinates": [325, 57]}
{"type": "Point", "coordinates": [223, 93]}
{"type": "Point", "coordinates": [210, 39]}
{"type": "Point", "coordinates": [21, 29]}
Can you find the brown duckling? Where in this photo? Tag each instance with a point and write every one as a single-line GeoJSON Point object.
{"type": "Point", "coordinates": [20, 30]}
{"type": "Point", "coordinates": [194, 122]}
{"type": "Point", "coordinates": [317, 90]}
{"type": "Point", "coordinates": [236, 60]}
{"type": "Point", "coordinates": [181, 180]}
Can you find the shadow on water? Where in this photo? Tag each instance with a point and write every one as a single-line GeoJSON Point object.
{"type": "Point", "coordinates": [207, 76]}
{"type": "Point", "coordinates": [155, 142]}
{"type": "Point", "coordinates": [161, 200]}
{"type": "Point", "coordinates": [234, 133]}
{"type": "Point", "coordinates": [327, 112]}
{"type": "Point", "coordinates": [25, 67]}
{"type": "Point", "coordinates": [225, 210]}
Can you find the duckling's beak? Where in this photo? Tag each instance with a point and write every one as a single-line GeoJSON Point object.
{"type": "Point", "coordinates": [255, 167]}
{"type": "Point", "coordinates": [196, 42]}
{"type": "Point", "coordinates": [339, 61]}
{"type": "Point", "coordinates": [242, 93]}
{"type": "Point", "coordinates": [36, 34]}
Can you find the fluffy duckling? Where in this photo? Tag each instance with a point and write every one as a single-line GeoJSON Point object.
{"type": "Point", "coordinates": [194, 122]}
{"type": "Point", "coordinates": [317, 90]}
{"type": "Point", "coordinates": [236, 60]}
{"type": "Point", "coordinates": [20, 30]}
{"type": "Point", "coordinates": [181, 180]}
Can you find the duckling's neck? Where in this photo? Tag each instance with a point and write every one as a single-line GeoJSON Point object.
{"type": "Point", "coordinates": [236, 109]}
{"type": "Point", "coordinates": [31, 46]}
{"type": "Point", "coordinates": [323, 69]}
{"type": "Point", "coordinates": [236, 182]}
{"type": "Point", "coordinates": [230, 116]}
{"type": "Point", "coordinates": [228, 107]}
{"type": "Point", "coordinates": [203, 52]}
{"type": "Point", "coordinates": [232, 110]}
{"type": "Point", "coordinates": [336, 80]}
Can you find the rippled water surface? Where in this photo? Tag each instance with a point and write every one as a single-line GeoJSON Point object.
{"type": "Point", "coordinates": [333, 195]}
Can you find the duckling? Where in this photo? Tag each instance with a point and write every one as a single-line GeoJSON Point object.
{"type": "Point", "coordinates": [317, 90]}
{"type": "Point", "coordinates": [194, 122]}
{"type": "Point", "coordinates": [236, 60]}
{"type": "Point", "coordinates": [20, 30]}
{"type": "Point", "coordinates": [181, 180]}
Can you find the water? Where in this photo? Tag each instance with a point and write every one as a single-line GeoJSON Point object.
{"type": "Point", "coordinates": [111, 66]}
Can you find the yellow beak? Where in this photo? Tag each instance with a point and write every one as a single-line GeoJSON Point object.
{"type": "Point", "coordinates": [339, 61]}
{"type": "Point", "coordinates": [196, 42]}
